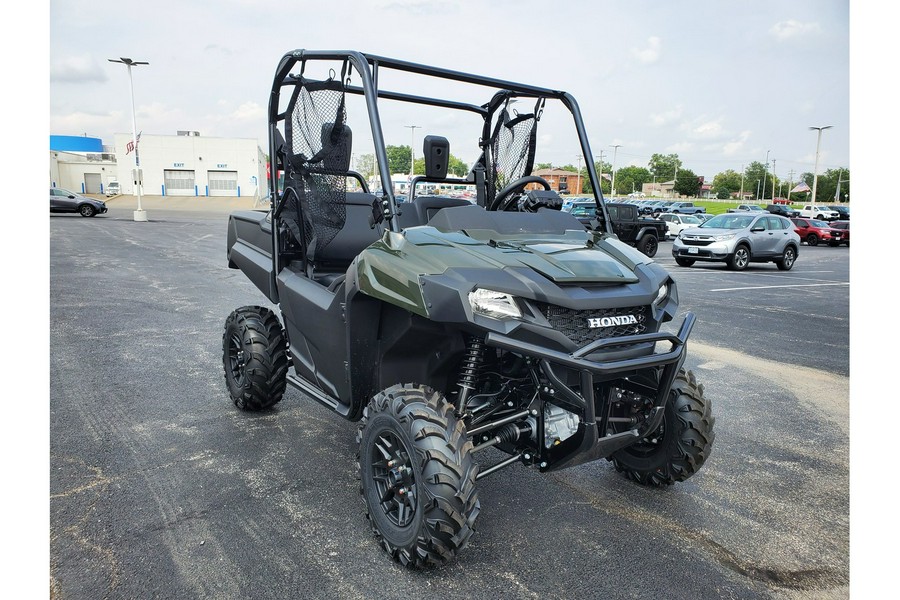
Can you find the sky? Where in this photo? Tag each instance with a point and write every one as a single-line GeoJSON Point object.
{"type": "Point", "coordinates": [721, 84]}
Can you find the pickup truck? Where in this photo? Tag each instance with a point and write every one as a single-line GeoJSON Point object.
{"type": "Point", "coordinates": [629, 225]}
{"type": "Point", "coordinates": [684, 208]}
{"type": "Point", "coordinates": [746, 208]}
{"type": "Point", "coordinates": [823, 213]}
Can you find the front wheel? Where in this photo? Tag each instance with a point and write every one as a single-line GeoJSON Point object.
{"type": "Point", "coordinates": [812, 240]}
{"type": "Point", "coordinates": [679, 447]}
{"type": "Point", "coordinates": [86, 210]}
{"type": "Point", "coordinates": [685, 262]}
{"type": "Point", "coordinates": [254, 355]}
{"type": "Point", "coordinates": [417, 476]}
{"type": "Point", "coordinates": [740, 259]}
{"type": "Point", "coordinates": [648, 245]}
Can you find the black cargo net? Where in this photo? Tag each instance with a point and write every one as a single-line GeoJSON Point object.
{"type": "Point", "coordinates": [318, 143]}
{"type": "Point", "coordinates": [512, 148]}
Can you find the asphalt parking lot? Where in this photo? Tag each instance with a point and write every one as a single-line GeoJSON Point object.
{"type": "Point", "coordinates": [160, 487]}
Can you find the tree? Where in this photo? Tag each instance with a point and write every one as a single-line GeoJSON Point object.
{"type": "Point", "coordinates": [398, 158]}
{"type": "Point", "coordinates": [726, 183]}
{"type": "Point", "coordinates": [365, 165]}
{"type": "Point", "coordinates": [753, 178]}
{"type": "Point", "coordinates": [456, 167]}
{"type": "Point", "coordinates": [688, 184]}
{"type": "Point", "coordinates": [631, 179]}
{"type": "Point", "coordinates": [827, 184]}
{"type": "Point", "coordinates": [663, 167]}
{"type": "Point", "coordinates": [541, 166]}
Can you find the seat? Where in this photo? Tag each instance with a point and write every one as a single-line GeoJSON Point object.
{"type": "Point", "coordinates": [355, 236]}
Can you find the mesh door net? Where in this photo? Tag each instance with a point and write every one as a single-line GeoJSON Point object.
{"type": "Point", "coordinates": [318, 153]}
{"type": "Point", "coordinates": [512, 148]}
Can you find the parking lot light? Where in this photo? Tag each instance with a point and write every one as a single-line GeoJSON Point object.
{"type": "Point", "coordinates": [816, 171]}
{"type": "Point", "coordinates": [139, 214]}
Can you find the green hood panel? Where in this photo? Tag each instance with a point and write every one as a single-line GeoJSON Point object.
{"type": "Point", "coordinates": [390, 268]}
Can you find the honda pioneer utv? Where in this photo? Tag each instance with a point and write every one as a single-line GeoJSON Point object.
{"type": "Point", "coordinates": [448, 327]}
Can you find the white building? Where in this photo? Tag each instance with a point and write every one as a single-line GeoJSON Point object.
{"type": "Point", "coordinates": [186, 164]}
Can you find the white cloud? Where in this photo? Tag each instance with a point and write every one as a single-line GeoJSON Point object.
{"type": "Point", "coordinates": [650, 54]}
{"type": "Point", "coordinates": [664, 118]}
{"type": "Point", "coordinates": [679, 147]}
{"type": "Point", "coordinates": [708, 129]}
{"type": "Point", "coordinates": [77, 69]}
{"type": "Point", "coordinates": [249, 111]}
{"type": "Point", "coordinates": [786, 30]}
{"type": "Point", "coordinates": [734, 147]}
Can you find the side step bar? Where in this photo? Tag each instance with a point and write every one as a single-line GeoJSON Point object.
{"type": "Point", "coordinates": [313, 391]}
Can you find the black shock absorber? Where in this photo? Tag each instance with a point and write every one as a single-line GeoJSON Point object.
{"type": "Point", "coordinates": [468, 372]}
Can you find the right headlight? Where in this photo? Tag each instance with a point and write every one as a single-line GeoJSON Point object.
{"type": "Point", "coordinates": [497, 305]}
{"type": "Point", "coordinates": [725, 237]}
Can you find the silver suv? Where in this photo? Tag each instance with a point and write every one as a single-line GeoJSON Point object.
{"type": "Point", "coordinates": [738, 239]}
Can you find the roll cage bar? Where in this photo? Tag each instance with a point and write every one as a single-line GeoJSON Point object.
{"type": "Point", "coordinates": [368, 67]}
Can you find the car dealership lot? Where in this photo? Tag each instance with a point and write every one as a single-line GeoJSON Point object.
{"type": "Point", "coordinates": [161, 487]}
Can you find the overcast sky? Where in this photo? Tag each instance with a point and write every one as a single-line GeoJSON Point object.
{"type": "Point", "coordinates": [720, 83]}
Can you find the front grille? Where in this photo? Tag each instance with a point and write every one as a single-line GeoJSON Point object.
{"type": "Point", "coordinates": [692, 241]}
{"type": "Point", "coordinates": [574, 323]}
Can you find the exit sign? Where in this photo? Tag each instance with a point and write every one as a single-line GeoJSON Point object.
{"type": "Point", "coordinates": [222, 166]}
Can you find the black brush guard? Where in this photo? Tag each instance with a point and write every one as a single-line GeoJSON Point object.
{"type": "Point", "coordinates": [592, 446]}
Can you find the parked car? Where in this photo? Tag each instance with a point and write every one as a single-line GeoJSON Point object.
{"type": "Point", "coordinates": [813, 231]}
{"type": "Point", "coordinates": [738, 239]}
{"type": "Point", "coordinates": [675, 223]}
{"type": "Point", "coordinates": [688, 208]}
{"type": "Point", "coordinates": [746, 208]}
{"type": "Point", "coordinates": [704, 217]}
{"type": "Point", "coordinates": [782, 210]}
{"type": "Point", "coordinates": [822, 213]}
{"type": "Point", "coordinates": [113, 189]}
{"type": "Point", "coordinates": [845, 237]}
{"type": "Point", "coordinates": [628, 224]}
{"type": "Point", "coordinates": [843, 211]}
{"type": "Point", "coordinates": [64, 201]}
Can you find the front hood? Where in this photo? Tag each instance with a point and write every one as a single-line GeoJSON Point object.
{"type": "Point", "coordinates": [576, 256]}
{"type": "Point", "coordinates": [707, 232]}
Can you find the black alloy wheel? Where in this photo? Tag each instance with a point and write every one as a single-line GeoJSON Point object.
{"type": "Point", "coordinates": [254, 358]}
{"type": "Point", "coordinates": [648, 245]}
{"type": "Point", "coordinates": [812, 240]}
{"type": "Point", "coordinates": [86, 210]}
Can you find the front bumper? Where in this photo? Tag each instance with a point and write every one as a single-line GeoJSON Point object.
{"type": "Point", "coordinates": [588, 361]}
{"type": "Point", "coordinates": [715, 251]}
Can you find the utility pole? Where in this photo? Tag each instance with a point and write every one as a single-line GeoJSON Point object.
{"type": "Point", "coordinates": [412, 155]}
{"type": "Point", "coordinates": [773, 181]}
{"type": "Point", "coordinates": [600, 191]}
{"type": "Point", "coordinates": [765, 171]}
{"type": "Point", "coordinates": [837, 192]}
{"type": "Point", "coordinates": [612, 189]}
{"type": "Point", "coordinates": [816, 172]}
{"type": "Point", "coordinates": [790, 184]}
{"type": "Point", "coordinates": [578, 178]}
{"type": "Point", "coordinates": [742, 184]}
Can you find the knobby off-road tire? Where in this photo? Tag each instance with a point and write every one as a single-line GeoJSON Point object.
{"type": "Point", "coordinates": [417, 476]}
{"type": "Point", "coordinates": [681, 444]}
{"type": "Point", "coordinates": [648, 245]}
{"type": "Point", "coordinates": [254, 356]}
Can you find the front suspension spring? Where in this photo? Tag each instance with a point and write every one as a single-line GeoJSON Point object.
{"type": "Point", "coordinates": [469, 369]}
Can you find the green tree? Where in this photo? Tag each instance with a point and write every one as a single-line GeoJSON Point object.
{"type": "Point", "coordinates": [365, 165]}
{"type": "Point", "coordinates": [726, 183]}
{"type": "Point", "coordinates": [456, 167]}
{"type": "Point", "coordinates": [753, 178]}
{"type": "Point", "coordinates": [826, 187]}
{"type": "Point", "coordinates": [398, 158]}
{"type": "Point", "coordinates": [541, 166]}
{"type": "Point", "coordinates": [687, 184]}
{"type": "Point", "coordinates": [631, 179]}
{"type": "Point", "coordinates": [663, 166]}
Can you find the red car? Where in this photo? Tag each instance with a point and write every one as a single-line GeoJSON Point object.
{"type": "Point", "coordinates": [845, 238]}
{"type": "Point", "coordinates": [813, 231]}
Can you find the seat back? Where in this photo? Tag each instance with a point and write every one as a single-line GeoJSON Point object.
{"type": "Point", "coordinates": [423, 208]}
{"type": "Point", "coordinates": [354, 237]}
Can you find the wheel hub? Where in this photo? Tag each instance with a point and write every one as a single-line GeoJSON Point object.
{"type": "Point", "coordinates": [394, 479]}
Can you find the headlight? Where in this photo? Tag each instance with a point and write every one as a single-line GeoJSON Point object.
{"type": "Point", "coordinates": [662, 294]}
{"type": "Point", "coordinates": [725, 237]}
{"type": "Point", "coordinates": [496, 305]}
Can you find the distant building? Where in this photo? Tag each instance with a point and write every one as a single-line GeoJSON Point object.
{"type": "Point", "coordinates": [560, 181]}
{"type": "Point", "coordinates": [187, 164]}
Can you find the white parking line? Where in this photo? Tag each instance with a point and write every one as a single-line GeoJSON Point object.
{"type": "Point", "coordinates": [769, 287]}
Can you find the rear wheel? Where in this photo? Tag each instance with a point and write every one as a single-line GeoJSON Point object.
{"type": "Point", "coordinates": [812, 240]}
{"type": "Point", "coordinates": [86, 210]}
{"type": "Point", "coordinates": [787, 259]}
{"type": "Point", "coordinates": [740, 259]}
{"type": "Point", "coordinates": [254, 355]}
{"type": "Point", "coordinates": [648, 245]}
{"type": "Point", "coordinates": [679, 447]}
{"type": "Point", "coordinates": [684, 262]}
{"type": "Point", "coordinates": [417, 476]}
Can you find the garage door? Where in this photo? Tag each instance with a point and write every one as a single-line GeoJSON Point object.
{"type": "Point", "coordinates": [179, 183]}
{"type": "Point", "coordinates": [92, 183]}
{"type": "Point", "coordinates": [223, 183]}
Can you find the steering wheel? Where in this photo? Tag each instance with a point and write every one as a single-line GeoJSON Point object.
{"type": "Point", "coordinates": [503, 199]}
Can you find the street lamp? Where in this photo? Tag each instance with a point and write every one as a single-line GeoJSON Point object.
{"type": "Point", "coordinates": [765, 171]}
{"type": "Point", "coordinates": [412, 153]}
{"type": "Point", "coordinates": [612, 189]}
{"type": "Point", "coordinates": [139, 214]}
{"type": "Point", "coordinates": [816, 172]}
{"type": "Point", "coordinates": [578, 178]}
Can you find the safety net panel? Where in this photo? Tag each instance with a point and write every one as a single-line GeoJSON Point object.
{"type": "Point", "coordinates": [512, 148]}
{"type": "Point", "coordinates": [318, 144]}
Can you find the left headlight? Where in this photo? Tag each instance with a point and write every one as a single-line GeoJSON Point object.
{"type": "Point", "coordinates": [497, 305]}
{"type": "Point", "coordinates": [662, 294]}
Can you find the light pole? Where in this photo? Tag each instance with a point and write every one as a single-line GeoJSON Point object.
{"type": "Point", "coordinates": [765, 172]}
{"type": "Point", "coordinates": [600, 175]}
{"type": "Point", "coordinates": [816, 171]}
{"type": "Point", "coordinates": [773, 181]}
{"type": "Point", "coordinates": [412, 152]}
{"type": "Point", "coordinates": [139, 214]}
{"type": "Point", "coordinates": [742, 183]}
{"type": "Point", "coordinates": [612, 189]}
{"type": "Point", "coordinates": [578, 178]}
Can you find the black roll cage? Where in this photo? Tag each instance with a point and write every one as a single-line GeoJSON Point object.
{"type": "Point", "coordinates": [368, 67]}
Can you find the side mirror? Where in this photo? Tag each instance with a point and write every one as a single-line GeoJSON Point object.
{"type": "Point", "coordinates": [755, 229]}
